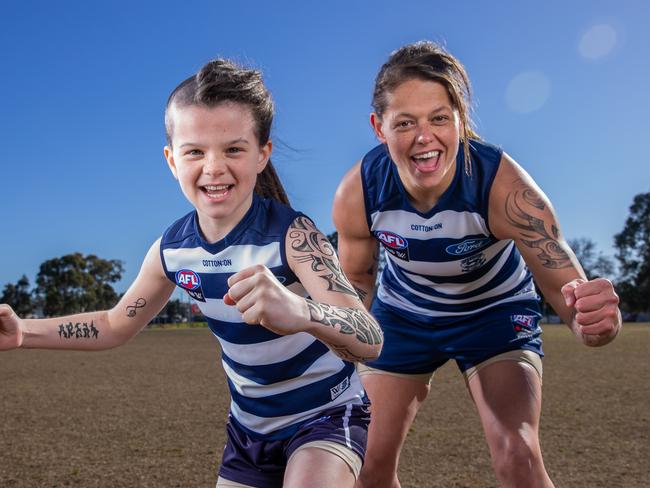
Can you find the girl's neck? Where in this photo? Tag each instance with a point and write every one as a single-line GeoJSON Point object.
{"type": "Point", "coordinates": [214, 229]}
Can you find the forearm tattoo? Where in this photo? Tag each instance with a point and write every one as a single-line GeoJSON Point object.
{"type": "Point", "coordinates": [533, 229]}
{"type": "Point", "coordinates": [311, 246]}
{"type": "Point", "coordinates": [346, 320]}
{"type": "Point", "coordinates": [131, 310]}
{"type": "Point", "coordinates": [79, 330]}
{"type": "Point", "coordinates": [344, 353]}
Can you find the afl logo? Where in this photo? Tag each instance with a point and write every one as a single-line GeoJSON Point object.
{"type": "Point", "coordinates": [188, 279]}
{"type": "Point", "coordinates": [391, 240]}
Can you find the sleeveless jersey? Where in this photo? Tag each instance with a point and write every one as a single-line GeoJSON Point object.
{"type": "Point", "coordinates": [445, 263]}
{"type": "Point", "coordinates": [276, 382]}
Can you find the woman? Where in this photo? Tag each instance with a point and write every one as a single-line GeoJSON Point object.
{"type": "Point", "coordinates": [464, 229]}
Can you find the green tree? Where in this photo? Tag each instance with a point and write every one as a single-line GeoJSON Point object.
{"type": "Point", "coordinates": [633, 254]}
{"type": "Point", "coordinates": [18, 296]}
{"type": "Point", "coordinates": [175, 310]}
{"type": "Point", "coordinates": [76, 283]}
{"type": "Point", "coordinates": [595, 263]}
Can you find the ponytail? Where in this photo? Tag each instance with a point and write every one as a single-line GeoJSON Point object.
{"type": "Point", "coordinates": [269, 185]}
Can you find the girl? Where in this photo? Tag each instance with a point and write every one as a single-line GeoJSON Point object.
{"type": "Point", "coordinates": [465, 229]}
{"type": "Point", "coordinates": [298, 413]}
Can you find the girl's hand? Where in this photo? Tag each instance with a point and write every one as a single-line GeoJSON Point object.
{"type": "Point", "coordinates": [597, 319]}
{"type": "Point", "coordinates": [11, 329]}
{"type": "Point", "coordinates": [263, 300]}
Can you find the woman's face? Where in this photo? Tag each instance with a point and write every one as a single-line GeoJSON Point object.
{"type": "Point", "coordinates": [421, 128]}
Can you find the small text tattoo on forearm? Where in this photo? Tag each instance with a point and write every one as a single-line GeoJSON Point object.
{"type": "Point", "coordinates": [131, 310]}
{"type": "Point", "coordinates": [79, 330]}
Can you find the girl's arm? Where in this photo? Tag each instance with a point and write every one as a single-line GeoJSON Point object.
{"type": "Point", "coordinates": [334, 314]}
{"type": "Point", "coordinates": [94, 330]}
{"type": "Point", "coordinates": [357, 248]}
{"type": "Point", "coordinates": [520, 211]}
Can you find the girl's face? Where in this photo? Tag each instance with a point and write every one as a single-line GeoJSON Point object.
{"type": "Point", "coordinates": [216, 157]}
{"type": "Point", "coordinates": [422, 131]}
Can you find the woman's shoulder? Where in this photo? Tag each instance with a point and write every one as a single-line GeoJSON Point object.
{"type": "Point", "coordinates": [485, 151]}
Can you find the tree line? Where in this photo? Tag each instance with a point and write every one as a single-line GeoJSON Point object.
{"type": "Point", "coordinates": [78, 283]}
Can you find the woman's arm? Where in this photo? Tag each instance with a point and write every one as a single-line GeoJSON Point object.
{"type": "Point", "coordinates": [520, 211]}
{"type": "Point", "coordinates": [357, 248]}
{"type": "Point", "coordinates": [94, 330]}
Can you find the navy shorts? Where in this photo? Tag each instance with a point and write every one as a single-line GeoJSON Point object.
{"type": "Point", "coordinates": [256, 462]}
{"type": "Point", "coordinates": [413, 347]}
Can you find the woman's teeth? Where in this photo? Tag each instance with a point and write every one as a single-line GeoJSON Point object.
{"type": "Point", "coordinates": [428, 155]}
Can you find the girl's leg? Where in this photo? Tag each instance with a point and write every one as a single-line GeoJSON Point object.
{"type": "Point", "coordinates": [395, 401]}
{"type": "Point", "coordinates": [317, 467]}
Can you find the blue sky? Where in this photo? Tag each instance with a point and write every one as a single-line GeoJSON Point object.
{"type": "Point", "coordinates": [561, 86]}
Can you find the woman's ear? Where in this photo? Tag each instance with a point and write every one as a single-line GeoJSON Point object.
{"type": "Point", "coordinates": [378, 127]}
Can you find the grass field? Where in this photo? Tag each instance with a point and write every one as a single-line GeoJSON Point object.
{"type": "Point", "coordinates": [152, 413]}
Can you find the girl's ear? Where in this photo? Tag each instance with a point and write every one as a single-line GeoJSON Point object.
{"type": "Point", "coordinates": [265, 155]}
{"type": "Point", "coordinates": [169, 156]}
{"type": "Point", "coordinates": [378, 127]}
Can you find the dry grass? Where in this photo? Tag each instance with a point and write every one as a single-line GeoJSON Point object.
{"type": "Point", "coordinates": [151, 414]}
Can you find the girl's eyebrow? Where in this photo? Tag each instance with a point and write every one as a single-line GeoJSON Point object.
{"type": "Point", "coordinates": [239, 140]}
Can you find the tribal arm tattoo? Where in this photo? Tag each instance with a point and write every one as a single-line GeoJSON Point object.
{"type": "Point", "coordinates": [348, 321]}
{"type": "Point", "coordinates": [311, 246]}
{"type": "Point", "coordinates": [533, 229]}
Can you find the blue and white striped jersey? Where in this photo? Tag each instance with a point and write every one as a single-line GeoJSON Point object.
{"type": "Point", "coordinates": [276, 382]}
{"type": "Point", "coordinates": [445, 263]}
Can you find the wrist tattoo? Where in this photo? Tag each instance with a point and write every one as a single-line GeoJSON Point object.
{"type": "Point", "coordinates": [79, 330]}
{"type": "Point", "coordinates": [347, 321]}
{"type": "Point", "coordinates": [533, 229]}
{"type": "Point", "coordinates": [131, 310]}
{"type": "Point", "coordinates": [311, 246]}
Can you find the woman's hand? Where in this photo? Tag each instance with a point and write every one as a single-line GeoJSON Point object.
{"type": "Point", "coordinates": [597, 319]}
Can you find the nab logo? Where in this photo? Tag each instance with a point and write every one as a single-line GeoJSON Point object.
{"type": "Point", "coordinates": [391, 240]}
{"type": "Point", "coordinates": [188, 279]}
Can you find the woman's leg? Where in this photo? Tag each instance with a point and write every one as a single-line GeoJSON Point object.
{"type": "Point", "coordinates": [508, 396]}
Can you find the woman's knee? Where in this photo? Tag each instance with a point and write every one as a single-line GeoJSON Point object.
{"type": "Point", "coordinates": [516, 453]}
